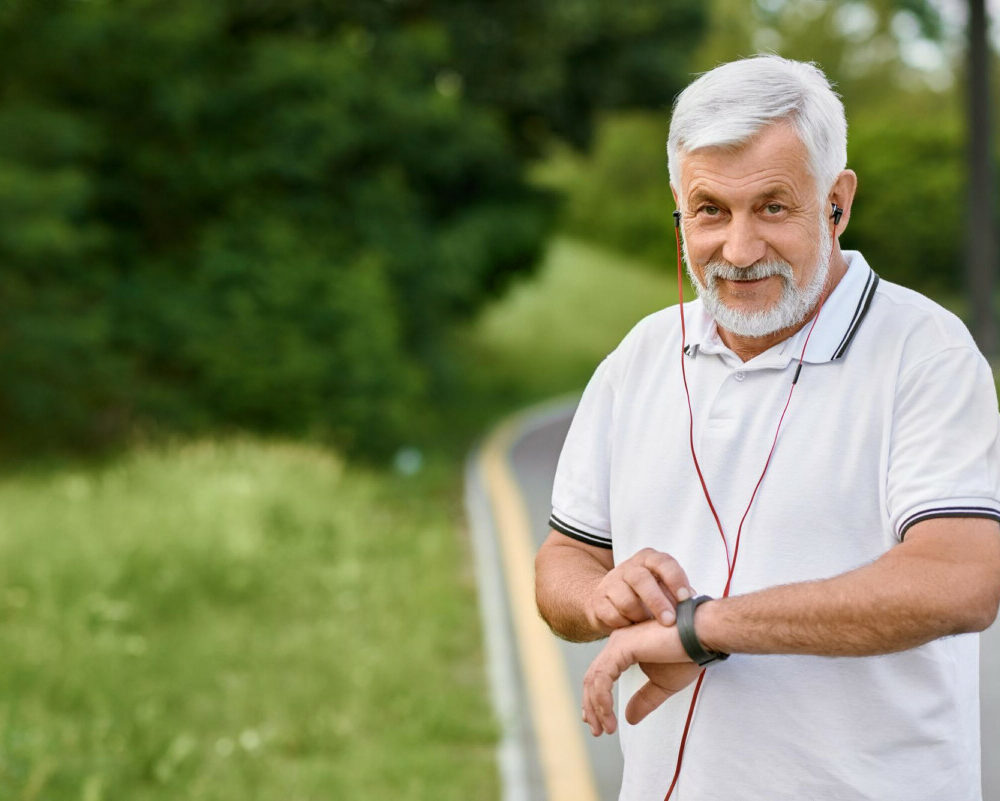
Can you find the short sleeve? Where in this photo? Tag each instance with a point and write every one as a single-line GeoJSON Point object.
{"type": "Point", "coordinates": [581, 490]}
{"type": "Point", "coordinates": [945, 441]}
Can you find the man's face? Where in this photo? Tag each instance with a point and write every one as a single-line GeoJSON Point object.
{"type": "Point", "coordinates": [756, 239]}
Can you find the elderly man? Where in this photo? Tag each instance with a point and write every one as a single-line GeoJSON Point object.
{"type": "Point", "coordinates": [815, 450]}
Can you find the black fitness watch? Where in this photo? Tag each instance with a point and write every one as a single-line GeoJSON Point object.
{"type": "Point", "coordinates": [689, 639]}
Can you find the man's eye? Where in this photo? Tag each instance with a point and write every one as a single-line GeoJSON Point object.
{"type": "Point", "coordinates": [774, 208]}
{"type": "Point", "coordinates": [711, 211]}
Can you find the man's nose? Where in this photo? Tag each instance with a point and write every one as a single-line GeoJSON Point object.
{"type": "Point", "coordinates": [744, 246]}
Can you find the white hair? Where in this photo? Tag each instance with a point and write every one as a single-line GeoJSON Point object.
{"type": "Point", "coordinates": [729, 105]}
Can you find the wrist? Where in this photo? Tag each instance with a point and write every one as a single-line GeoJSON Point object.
{"type": "Point", "coordinates": [706, 623]}
{"type": "Point", "coordinates": [692, 638]}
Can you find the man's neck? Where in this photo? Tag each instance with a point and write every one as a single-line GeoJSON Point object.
{"type": "Point", "coordinates": [749, 347]}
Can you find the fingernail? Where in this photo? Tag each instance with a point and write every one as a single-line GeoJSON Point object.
{"type": "Point", "coordinates": [684, 593]}
{"type": "Point", "coordinates": [667, 617]}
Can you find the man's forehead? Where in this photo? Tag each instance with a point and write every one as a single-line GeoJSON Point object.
{"type": "Point", "coordinates": [775, 157]}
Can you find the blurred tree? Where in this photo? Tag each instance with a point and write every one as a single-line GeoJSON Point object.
{"type": "Point", "coordinates": [613, 195]}
{"type": "Point", "coordinates": [549, 66]}
{"type": "Point", "coordinates": [908, 215]}
{"type": "Point", "coordinates": [859, 44]}
{"type": "Point", "coordinates": [981, 231]}
{"type": "Point", "coordinates": [269, 214]}
{"type": "Point", "coordinates": [544, 67]}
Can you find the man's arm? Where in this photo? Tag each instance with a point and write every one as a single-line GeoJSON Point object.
{"type": "Point", "coordinates": [566, 574]}
{"type": "Point", "coordinates": [943, 579]}
{"type": "Point", "coordinates": [584, 596]}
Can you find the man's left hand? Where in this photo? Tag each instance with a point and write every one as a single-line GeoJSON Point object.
{"type": "Point", "coordinates": [658, 651]}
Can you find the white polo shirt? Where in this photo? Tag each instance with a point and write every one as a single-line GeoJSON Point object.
{"type": "Point", "coordinates": [893, 421]}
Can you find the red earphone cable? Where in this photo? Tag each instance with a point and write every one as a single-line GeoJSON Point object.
{"type": "Point", "coordinates": [687, 394]}
{"type": "Point", "coordinates": [730, 559]}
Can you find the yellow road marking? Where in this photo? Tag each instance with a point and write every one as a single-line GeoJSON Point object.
{"type": "Point", "coordinates": [566, 769]}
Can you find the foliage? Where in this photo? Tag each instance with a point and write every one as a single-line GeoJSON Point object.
{"type": "Point", "coordinates": [908, 217]}
{"type": "Point", "coordinates": [618, 194]}
{"type": "Point", "coordinates": [187, 250]}
{"type": "Point", "coordinates": [271, 215]}
{"type": "Point", "coordinates": [861, 44]}
{"type": "Point", "coordinates": [550, 66]}
{"type": "Point", "coordinates": [543, 67]}
{"type": "Point", "coordinates": [238, 620]}
{"type": "Point", "coordinates": [547, 335]}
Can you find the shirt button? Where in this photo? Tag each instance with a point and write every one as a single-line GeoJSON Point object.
{"type": "Point", "coordinates": [740, 376]}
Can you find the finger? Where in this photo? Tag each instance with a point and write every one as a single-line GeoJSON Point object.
{"type": "Point", "coordinates": [597, 712]}
{"type": "Point", "coordinates": [598, 686]}
{"type": "Point", "coordinates": [646, 699]}
{"type": "Point", "coordinates": [669, 571]}
{"type": "Point", "coordinates": [625, 600]}
{"type": "Point", "coordinates": [591, 719]}
{"type": "Point", "coordinates": [608, 615]}
{"type": "Point", "coordinates": [598, 703]}
{"type": "Point", "coordinates": [653, 595]}
{"type": "Point", "coordinates": [604, 706]}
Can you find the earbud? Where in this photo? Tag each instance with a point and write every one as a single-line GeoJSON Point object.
{"type": "Point", "coordinates": [677, 219]}
{"type": "Point", "coordinates": [837, 214]}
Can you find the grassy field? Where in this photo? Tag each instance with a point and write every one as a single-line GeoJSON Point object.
{"type": "Point", "coordinates": [238, 621]}
{"type": "Point", "coordinates": [252, 620]}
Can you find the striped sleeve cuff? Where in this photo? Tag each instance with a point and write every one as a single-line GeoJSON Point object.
{"type": "Point", "coordinates": [985, 508]}
{"type": "Point", "coordinates": [577, 533]}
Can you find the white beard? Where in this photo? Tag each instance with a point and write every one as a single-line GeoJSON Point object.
{"type": "Point", "coordinates": [792, 308]}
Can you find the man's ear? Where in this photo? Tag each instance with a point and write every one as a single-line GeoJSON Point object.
{"type": "Point", "coordinates": [842, 193]}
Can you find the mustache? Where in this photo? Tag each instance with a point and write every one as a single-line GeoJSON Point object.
{"type": "Point", "coordinates": [730, 272]}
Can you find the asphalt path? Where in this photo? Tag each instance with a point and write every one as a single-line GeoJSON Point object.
{"type": "Point", "coordinates": [533, 458]}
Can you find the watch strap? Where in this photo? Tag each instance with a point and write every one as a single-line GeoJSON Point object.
{"type": "Point", "coordinates": [689, 639]}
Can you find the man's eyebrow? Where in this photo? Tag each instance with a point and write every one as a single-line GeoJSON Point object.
{"type": "Point", "coordinates": [701, 196]}
{"type": "Point", "coordinates": [780, 191]}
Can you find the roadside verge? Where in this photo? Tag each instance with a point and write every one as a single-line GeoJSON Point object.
{"type": "Point", "coordinates": [542, 754]}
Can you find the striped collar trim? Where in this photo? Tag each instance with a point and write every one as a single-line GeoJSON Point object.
{"type": "Point", "coordinates": [860, 312]}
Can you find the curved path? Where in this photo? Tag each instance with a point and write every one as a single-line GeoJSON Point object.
{"type": "Point", "coordinates": [546, 752]}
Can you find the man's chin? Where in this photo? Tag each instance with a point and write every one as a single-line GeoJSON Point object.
{"type": "Point", "coordinates": [748, 309]}
{"type": "Point", "coordinates": [751, 297]}
{"type": "Point", "coordinates": [750, 312]}
{"type": "Point", "coordinates": [749, 322]}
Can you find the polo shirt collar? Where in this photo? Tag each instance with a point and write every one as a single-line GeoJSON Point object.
{"type": "Point", "coordinates": [842, 315]}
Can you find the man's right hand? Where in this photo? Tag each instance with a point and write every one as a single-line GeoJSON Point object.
{"type": "Point", "coordinates": [647, 585]}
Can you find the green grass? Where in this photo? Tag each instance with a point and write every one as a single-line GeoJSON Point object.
{"type": "Point", "coordinates": [546, 336]}
{"type": "Point", "coordinates": [238, 620]}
